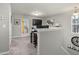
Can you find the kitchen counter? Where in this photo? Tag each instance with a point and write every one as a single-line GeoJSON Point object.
{"type": "Point", "coordinates": [50, 41]}
{"type": "Point", "coordinates": [48, 29]}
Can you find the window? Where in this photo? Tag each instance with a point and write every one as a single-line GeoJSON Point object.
{"type": "Point", "coordinates": [75, 23]}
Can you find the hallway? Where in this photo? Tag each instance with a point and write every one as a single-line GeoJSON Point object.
{"type": "Point", "coordinates": [22, 46]}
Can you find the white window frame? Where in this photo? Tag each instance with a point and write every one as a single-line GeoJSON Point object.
{"type": "Point", "coordinates": [72, 26]}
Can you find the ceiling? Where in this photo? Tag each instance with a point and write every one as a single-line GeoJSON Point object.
{"type": "Point", "coordinates": [46, 9]}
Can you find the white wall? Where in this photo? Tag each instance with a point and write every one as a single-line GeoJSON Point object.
{"type": "Point", "coordinates": [4, 30]}
{"type": "Point", "coordinates": [15, 31]}
{"type": "Point", "coordinates": [44, 20]}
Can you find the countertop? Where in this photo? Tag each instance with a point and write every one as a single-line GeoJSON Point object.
{"type": "Point", "coordinates": [49, 29]}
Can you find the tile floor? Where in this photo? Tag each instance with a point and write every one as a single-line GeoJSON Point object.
{"type": "Point", "coordinates": [22, 46]}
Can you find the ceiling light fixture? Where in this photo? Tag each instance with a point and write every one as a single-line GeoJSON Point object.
{"type": "Point", "coordinates": [36, 13]}
{"type": "Point", "coordinates": [76, 13]}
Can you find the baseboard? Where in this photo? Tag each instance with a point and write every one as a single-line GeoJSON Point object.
{"type": "Point", "coordinates": [20, 36]}
{"type": "Point", "coordinates": [4, 53]}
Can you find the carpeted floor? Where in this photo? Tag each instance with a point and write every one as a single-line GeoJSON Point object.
{"type": "Point", "coordinates": [22, 46]}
